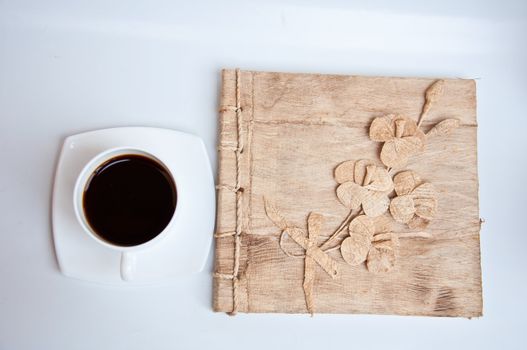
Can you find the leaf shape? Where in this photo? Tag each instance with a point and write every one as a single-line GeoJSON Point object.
{"type": "Point", "coordinates": [395, 153]}
{"type": "Point", "coordinates": [443, 128]}
{"type": "Point", "coordinates": [381, 129]}
{"type": "Point", "coordinates": [381, 181]}
{"type": "Point", "coordinates": [405, 181]}
{"type": "Point", "coordinates": [425, 207]}
{"type": "Point", "coordinates": [381, 257]}
{"type": "Point", "coordinates": [350, 194]}
{"type": "Point", "coordinates": [421, 136]}
{"type": "Point", "coordinates": [354, 249]}
{"type": "Point", "coordinates": [274, 214]}
{"type": "Point", "coordinates": [375, 203]}
{"type": "Point", "coordinates": [434, 91]}
{"type": "Point", "coordinates": [362, 225]}
{"type": "Point", "coordinates": [344, 172]}
{"type": "Point", "coordinates": [314, 224]}
{"type": "Point", "coordinates": [360, 170]}
{"type": "Point", "coordinates": [402, 208]}
{"type": "Point", "coordinates": [418, 223]}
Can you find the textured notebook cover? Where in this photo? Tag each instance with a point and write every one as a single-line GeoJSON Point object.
{"type": "Point", "coordinates": [281, 138]}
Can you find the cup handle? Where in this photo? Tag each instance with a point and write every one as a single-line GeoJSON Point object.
{"type": "Point", "coordinates": [128, 263]}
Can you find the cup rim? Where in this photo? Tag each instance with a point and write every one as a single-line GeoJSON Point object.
{"type": "Point", "coordinates": [82, 180]}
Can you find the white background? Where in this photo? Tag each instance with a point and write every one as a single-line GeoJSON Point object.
{"type": "Point", "coordinates": [68, 67]}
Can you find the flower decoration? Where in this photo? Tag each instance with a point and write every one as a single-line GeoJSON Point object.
{"type": "Point", "coordinates": [416, 203]}
{"type": "Point", "coordinates": [364, 188]}
{"type": "Point", "coordinates": [401, 136]}
{"type": "Point", "coordinates": [369, 242]}
{"type": "Point", "coordinates": [362, 183]}
{"type": "Point", "coordinates": [313, 254]}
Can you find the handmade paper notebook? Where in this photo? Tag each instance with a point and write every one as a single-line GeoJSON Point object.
{"type": "Point", "coordinates": [347, 194]}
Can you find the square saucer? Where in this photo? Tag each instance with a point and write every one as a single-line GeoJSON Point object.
{"type": "Point", "coordinates": [187, 244]}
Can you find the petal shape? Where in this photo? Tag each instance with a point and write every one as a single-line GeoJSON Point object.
{"type": "Point", "coordinates": [418, 223]}
{"type": "Point", "coordinates": [289, 246]}
{"type": "Point", "coordinates": [426, 190]}
{"type": "Point", "coordinates": [360, 170]}
{"type": "Point", "coordinates": [402, 208]}
{"type": "Point", "coordinates": [354, 249]}
{"type": "Point", "coordinates": [405, 181]}
{"type": "Point", "coordinates": [411, 129]}
{"type": "Point", "coordinates": [425, 207]}
{"type": "Point", "coordinates": [350, 194]}
{"type": "Point", "coordinates": [362, 225]}
{"type": "Point", "coordinates": [410, 126]}
{"type": "Point", "coordinates": [395, 153]}
{"type": "Point", "coordinates": [375, 203]}
{"type": "Point", "coordinates": [383, 223]}
{"type": "Point", "coordinates": [344, 171]}
{"type": "Point", "coordinates": [381, 129]}
{"type": "Point", "coordinates": [381, 257]}
{"type": "Point", "coordinates": [381, 181]}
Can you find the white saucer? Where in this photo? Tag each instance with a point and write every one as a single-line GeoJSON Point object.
{"type": "Point", "coordinates": [187, 245]}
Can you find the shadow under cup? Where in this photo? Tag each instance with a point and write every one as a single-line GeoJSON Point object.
{"type": "Point", "coordinates": [129, 199]}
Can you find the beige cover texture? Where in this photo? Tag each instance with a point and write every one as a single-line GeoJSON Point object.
{"type": "Point", "coordinates": [282, 136]}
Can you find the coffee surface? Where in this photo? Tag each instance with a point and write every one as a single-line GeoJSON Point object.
{"type": "Point", "coordinates": [129, 200]}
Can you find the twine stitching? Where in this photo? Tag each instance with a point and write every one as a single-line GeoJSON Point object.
{"type": "Point", "coordinates": [239, 197]}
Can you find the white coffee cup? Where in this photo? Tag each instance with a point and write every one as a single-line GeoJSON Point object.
{"type": "Point", "coordinates": [128, 253]}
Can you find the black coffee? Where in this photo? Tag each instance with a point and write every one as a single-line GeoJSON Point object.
{"type": "Point", "coordinates": [129, 200]}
